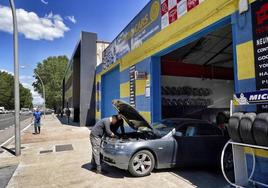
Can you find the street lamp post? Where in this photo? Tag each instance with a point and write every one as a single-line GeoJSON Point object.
{"type": "Point", "coordinates": [44, 94]}
{"type": "Point", "coordinates": [16, 79]}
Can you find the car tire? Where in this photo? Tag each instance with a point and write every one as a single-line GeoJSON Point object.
{"type": "Point", "coordinates": [260, 129]}
{"type": "Point", "coordinates": [141, 163]}
{"type": "Point", "coordinates": [233, 127]}
{"type": "Point", "coordinates": [245, 128]}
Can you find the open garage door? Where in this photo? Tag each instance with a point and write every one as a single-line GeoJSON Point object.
{"type": "Point", "coordinates": [197, 79]}
{"type": "Point", "coordinates": [110, 91]}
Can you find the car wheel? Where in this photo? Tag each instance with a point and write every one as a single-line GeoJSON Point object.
{"type": "Point", "coordinates": [141, 163]}
{"type": "Point", "coordinates": [228, 164]}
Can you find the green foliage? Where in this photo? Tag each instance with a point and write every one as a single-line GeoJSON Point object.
{"type": "Point", "coordinates": [7, 92]}
{"type": "Point", "coordinates": [51, 71]}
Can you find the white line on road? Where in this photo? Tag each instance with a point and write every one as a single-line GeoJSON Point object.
{"type": "Point", "coordinates": [8, 140]}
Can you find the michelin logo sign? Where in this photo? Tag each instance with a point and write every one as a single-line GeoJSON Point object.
{"type": "Point", "coordinates": [257, 97]}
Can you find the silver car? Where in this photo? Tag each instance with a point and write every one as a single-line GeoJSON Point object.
{"type": "Point", "coordinates": [187, 142]}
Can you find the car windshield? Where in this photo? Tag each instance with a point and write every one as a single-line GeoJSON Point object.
{"type": "Point", "coordinates": [162, 129]}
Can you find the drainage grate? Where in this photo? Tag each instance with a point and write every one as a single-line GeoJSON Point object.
{"type": "Point", "coordinates": [46, 151]}
{"type": "Point", "coordinates": [66, 147]}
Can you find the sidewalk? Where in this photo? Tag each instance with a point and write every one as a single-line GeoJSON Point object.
{"type": "Point", "coordinates": [44, 163]}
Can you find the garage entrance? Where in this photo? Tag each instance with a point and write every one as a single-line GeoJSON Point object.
{"type": "Point", "coordinates": [110, 84]}
{"type": "Point", "coordinates": [197, 79]}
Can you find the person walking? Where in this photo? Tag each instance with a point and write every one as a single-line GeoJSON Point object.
{"type": "Point", "coordinates": [37, 121]}
{"type": "Point", "coordinates": [101, 128]}
{"type": "Point", "coordinates": [68, 114]}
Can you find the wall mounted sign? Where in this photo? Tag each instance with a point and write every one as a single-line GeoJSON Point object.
{"type": "Point", "coordinates": [256, 97]}
{"type": "Point", "coordinates": [156, 15]}
{"type": "Point", "coordinates": [260, 39]}
{"type": "Point", "coordinates": [132, 85]}
{"type": "Point", "coordinates": [140, 29]}
{"type": "Point", "coordinates": [140, 75]}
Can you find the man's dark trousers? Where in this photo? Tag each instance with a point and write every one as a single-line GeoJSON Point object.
{"type": "Point", "coordinates": [95, 160]}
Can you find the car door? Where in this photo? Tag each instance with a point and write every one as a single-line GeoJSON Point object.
{"type": "Point", "coordinates": [200, 145]}
{"type": "Point", "coordinates": [214, 140]}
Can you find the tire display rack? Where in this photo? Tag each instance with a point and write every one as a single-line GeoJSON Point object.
{"type": "Point", "coordinates": [242, 177]}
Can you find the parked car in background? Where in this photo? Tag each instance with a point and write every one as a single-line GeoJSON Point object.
{"type": "Point", "coordinates": [168, 144]}
{"type": "Point", "coordinates": [25, 111]}
{"type": "Point", "coordinates": [3, 111]}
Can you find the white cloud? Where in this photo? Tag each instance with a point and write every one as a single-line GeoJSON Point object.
{"type": "Point", "coordinates": [45, 2]}
{"type": "Point", "coordinates": [49, 27]}
{"type": "Point", "coordinates": [27, 82]}
{"type": "Point", "coordinates": [4, 70]}
{"type": "Point", "coordinates": [71, 19]}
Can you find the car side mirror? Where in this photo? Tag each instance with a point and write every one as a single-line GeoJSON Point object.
{"type": "Point", "coordinates": [178, 134]}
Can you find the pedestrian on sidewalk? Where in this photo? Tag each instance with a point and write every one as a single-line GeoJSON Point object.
{"type": "Point", "coordinates": [68, 113]}
{"type": "Point", "coordinates": [102, 127]}
{"type": "Point", "coordinates": [37, 121]}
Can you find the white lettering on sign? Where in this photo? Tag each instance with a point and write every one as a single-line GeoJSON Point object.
{"type": "Point", "coordinates": [264, 65]}
{"type": "Point", "coordinates": [262, 41]}
{"type": "Point", "coordinates": [262, 58]}
{"type": "Point", "coordinates": [263, 74]}
{"type": "Point", "coordinates": [260, 50]}
{"type": "Point", "coordinates": [258, 97]}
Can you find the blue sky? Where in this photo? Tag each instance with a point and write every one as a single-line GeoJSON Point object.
{"type": "Point", "coordinates": [52, 27]}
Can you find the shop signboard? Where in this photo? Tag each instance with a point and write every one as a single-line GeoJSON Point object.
{"type": "Point", "coordinates": [260, 39]}
{"type": "Point", "coordinates": [172, 10]}
{"type": "Point", "coordinates": [255, 97]}
{"type": "Point", "coordinates": [156, 15]}
{"type": "Point", "coordinates": [140, 29]}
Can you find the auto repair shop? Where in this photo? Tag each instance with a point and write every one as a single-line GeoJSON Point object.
{"type": "Point", "coordinates": [178, 58]}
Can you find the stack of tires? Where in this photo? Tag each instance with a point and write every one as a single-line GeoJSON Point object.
{"type": "Point", "coordinates": [249, 128]}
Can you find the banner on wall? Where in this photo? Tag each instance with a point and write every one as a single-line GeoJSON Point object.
{"type": "Point", "coordinates": [172, 10]}
{"type": "Point", "coordinates": [140, 29]}
{"type": "Point", "coordinates": [256, 97]}
{"type": "Point", "coordinates": [260, 39]}
{"type": "Point", "coordinates": [156, 15]}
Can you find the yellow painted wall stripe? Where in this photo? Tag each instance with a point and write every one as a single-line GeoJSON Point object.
{"type": "Point", "coordinates": [205, 14]}
{"type": "Point", "coordinates": [140, 87]}
{"type": "Point", "coordinates": [98, 116]}
{"type": "Point", "coordinates": [146, 115]}
{"type": "Point", "coordinates": [245, 61]}
{"type": "Point", "coordinates": [124, 90]}
{"type": "Point", "coordinates": [258, 152]}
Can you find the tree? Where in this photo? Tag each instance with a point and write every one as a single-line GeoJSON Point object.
{"type": "Point", "coordinates": [7, 92]}
{"type": "Point", "coordinates": [51, 71]}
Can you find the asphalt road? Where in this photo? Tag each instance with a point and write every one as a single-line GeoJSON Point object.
{"type": "Point", "coordinates": [7, 127]}
{"type": "Point", "coordinates": [7, 120]}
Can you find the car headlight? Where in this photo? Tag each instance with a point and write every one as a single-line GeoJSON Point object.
{"type": "Point", "coordinates": [119, 146]}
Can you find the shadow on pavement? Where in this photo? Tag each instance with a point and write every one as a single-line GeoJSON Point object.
{"type": "Point", "coordinates": [110, 171]}
{"type": "Point", "coordinates": [64, 121]}
{"type": "Point", "coordinates": [9, 150]}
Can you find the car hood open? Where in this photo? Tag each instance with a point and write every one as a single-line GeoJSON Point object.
{"type": "Point", "coordinates": [130, 115]}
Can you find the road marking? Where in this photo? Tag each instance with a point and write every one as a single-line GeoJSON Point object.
{"type": "Point", "coordinates": [8, 140]}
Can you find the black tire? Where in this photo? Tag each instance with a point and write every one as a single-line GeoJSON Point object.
{"type": "Point", "coordinates": [233, 127]}
{"type": "Point", "coordinates": [228, 163]}
{"type": "Point", "coordinates": [245, 129]}
{"type": "Point", "coordinates": [260, 129]}
{"type": "Point", "coordinates": [138, 160]}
